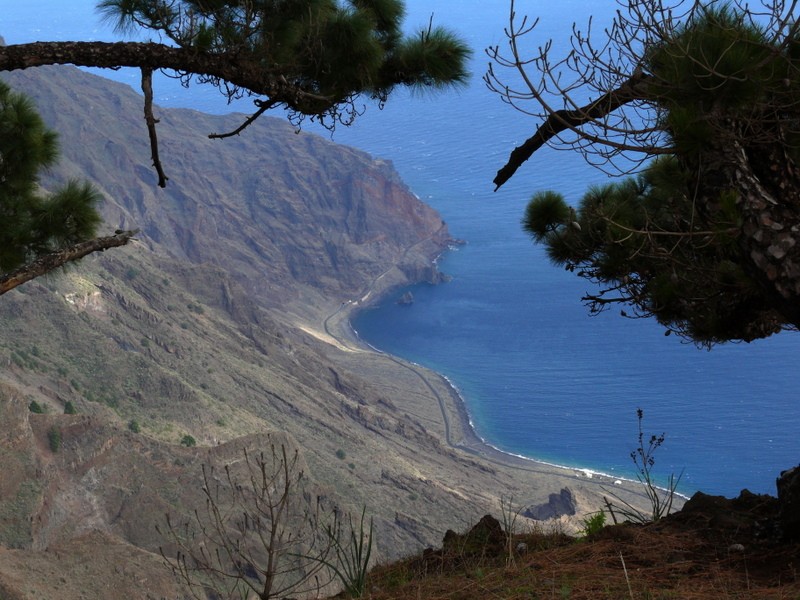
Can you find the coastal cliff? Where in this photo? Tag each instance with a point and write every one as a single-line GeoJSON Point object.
{"type": "Point", "coordinates": [225, 320]}
{"type": "Point", "coordinates": [315, 213]}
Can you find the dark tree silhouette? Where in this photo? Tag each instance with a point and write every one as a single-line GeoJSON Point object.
{"type": "Point", "coordinates": [705, 238]}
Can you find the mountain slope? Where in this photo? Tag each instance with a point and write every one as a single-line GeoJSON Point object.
{"type": "Point", "coordinates": [316, 213]}
{"type": "Point", "coordinates": [225, 321]}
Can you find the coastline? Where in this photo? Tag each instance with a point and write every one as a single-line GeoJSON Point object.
{"type": "Point", "coordinates": [461, 435]}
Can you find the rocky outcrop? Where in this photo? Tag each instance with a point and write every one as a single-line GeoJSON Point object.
{"type": "Point", "coordinates": [789, 501]}
{"type": "Point", "coordinates": [556, 506]}
{"type": "Point", "coordinates": [485, 538]}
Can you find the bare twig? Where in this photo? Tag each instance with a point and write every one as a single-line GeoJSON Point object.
{"type": "Point", "coordinates": [260, 534]}
{"type": "Point", "coordinates": [610, 64]}
{"type": "Point", "coordinates": [263, 106]}
{"type": "Point", "coordinates": [660, 499]}
{"type": "Point", "coordinates": [627, 579]}
{"type": "Point", "coordinates": [510, 514]}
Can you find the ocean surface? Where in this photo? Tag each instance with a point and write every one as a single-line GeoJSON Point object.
{"type": "Point", "coordinates": [539, 376]}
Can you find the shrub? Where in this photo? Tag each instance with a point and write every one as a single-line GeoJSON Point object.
{"type": "Point", "coordinates": [593, 523]}
{"type": "Point", "coordinates": [262, 529]}
{"type": "Point", "coordinates": [35, 407]}
{"type": "Point", "coordinates": [352, 548]}
{"type": "Point", "coordinates": [195, 308]}
{"type": "Point", "coordinates": [340, 454]}
{"type": "Point", "coordinates": [133, 425]}
{"type": "Point", "coordinates": [660, 498]}
{"type": "Point", "coordinates": [54, 437]}
{"type": "Point", "coordinates": [69, 408]}
{"type": "Point", "coordinates": [188, 441]}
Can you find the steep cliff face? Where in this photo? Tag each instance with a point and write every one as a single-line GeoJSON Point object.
{"type": "Point", "coordinates": [273, 209]}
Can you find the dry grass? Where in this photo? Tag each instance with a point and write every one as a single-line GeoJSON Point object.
{"type": "Point", "coordinates": [688, 557]}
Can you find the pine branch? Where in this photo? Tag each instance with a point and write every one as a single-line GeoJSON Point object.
{"type": "Point", "coordinates": [263, 106]}
{"type": "Point", "coordinates": [54, 260]}
{"type": "Point", "coordinates": [563, 120]}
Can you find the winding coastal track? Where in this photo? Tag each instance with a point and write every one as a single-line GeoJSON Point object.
{"type": "Point", "coordinates": [404, 364]}
{"type": "Point", "coordinates": [473, 444]}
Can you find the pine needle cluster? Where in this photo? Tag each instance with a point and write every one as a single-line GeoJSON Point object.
{"type": "Point", "coordinates": [32, 221]}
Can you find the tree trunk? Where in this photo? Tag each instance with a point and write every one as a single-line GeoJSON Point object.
{"type": "Point", "coordinates": [765, 179]}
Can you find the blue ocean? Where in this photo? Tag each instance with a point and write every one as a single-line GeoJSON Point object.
{"type": "Point", "coordinates": [540, 378]}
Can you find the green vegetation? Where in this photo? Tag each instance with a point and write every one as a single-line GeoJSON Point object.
{"type": "Point", "coordinates": [36, 224]}
{"type": "Point", "coordinates": [321, 55]}
{"type": "Point", "coordinates": [35, 407]}
{"type": "Point", "coordinates": [195, 308]}
{"type": "Point", "coordinates": [352, 551]}
{"type": "Point", "coordinates": [41, 232]}
{"type": "Point", "coordinates": [313, 60]}
{"type": "Point", "coordinates": [27, 360]}
{"type": "Point", "coordinates": [16, 532]}
{"type": "Point", "coordinates": [593, 523]}
{"type": "Point", "coordinates": [69, 408]}
{"type": "Point", "coordinates": [133, 425]}
{"type": "Point", "coordinates": [704, 239]}
{"type": "Point", "coordinates": [188, 441]}
{"type": "Point", "coordinates": [54, 439]}
{"type": "Point", "coordinates": [340, 454]}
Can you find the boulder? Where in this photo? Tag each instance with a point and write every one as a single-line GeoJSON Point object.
{"type": "Point", "coordinates": [486, 536]}
{"type": "Point", "coordinates": [789, 503]}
